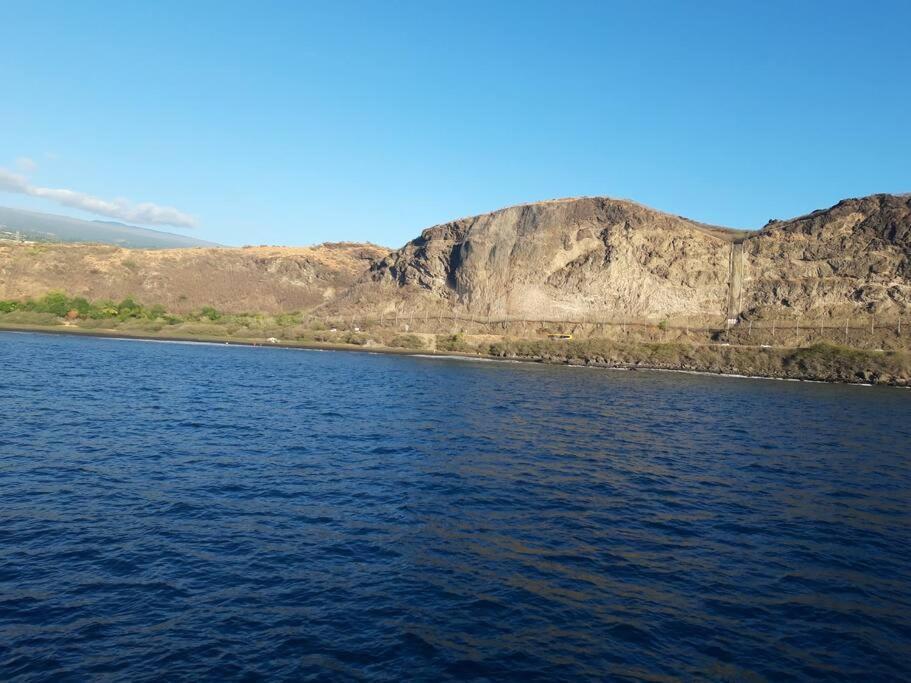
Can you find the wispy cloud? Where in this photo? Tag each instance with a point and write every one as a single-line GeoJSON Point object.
{"type": "Point", "coordinates": [26, 165]}
{"type": "Point", "coordinates": [119, 209]}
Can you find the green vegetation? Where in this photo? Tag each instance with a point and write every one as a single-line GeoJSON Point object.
{"type": "Point", "coordinates": [354, 338]}
{"type": "Point", "coordinates": [81, 311]}
{"type": "Point", "coordinates": [210, 313]}
{"type": "Point", "coordinates": [130, 316]}
{"type": "Point", "coordinates": [454, 342]}
{"type": "Point", "coordinates": [407, 341]}
{"type": "Point", "coordinates": [63, 306]}
{"type": "Point", "coordinates": [823, 361]}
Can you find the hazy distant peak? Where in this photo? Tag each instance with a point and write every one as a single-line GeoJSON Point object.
{"type": "Point", "coordinates": [47, 227]}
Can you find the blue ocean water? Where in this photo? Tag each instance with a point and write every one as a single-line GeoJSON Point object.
{"type": "Point", "coordinates": [202, 512]}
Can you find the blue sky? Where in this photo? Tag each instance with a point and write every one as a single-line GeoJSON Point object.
{"type": "Point", "coordinates": [297, 123]}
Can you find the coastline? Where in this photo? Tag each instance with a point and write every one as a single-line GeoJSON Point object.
{"type": "Point", "coordinates": [566, 360]}
{"type": "Point", "coordinates": [221, 341]}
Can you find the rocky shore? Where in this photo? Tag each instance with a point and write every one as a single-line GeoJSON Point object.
{"type": "Point", "coordinates": [819, 363]}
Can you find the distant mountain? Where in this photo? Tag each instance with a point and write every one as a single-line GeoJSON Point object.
{"type": "Point", "coordinates": [46, 227]}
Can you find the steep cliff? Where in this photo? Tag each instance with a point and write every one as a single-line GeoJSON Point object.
{"type": "Point", "coordinates": [596, 258]}
{"type": "Point", "coordinates": [854, 256]}
{"type": "Point", "coordinates": [570, 257]}
{"type": "Point", "coordinates": [585, 259]}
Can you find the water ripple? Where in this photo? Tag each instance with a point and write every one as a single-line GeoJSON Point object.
{"type": "Point", "coordinates": [209, 512]}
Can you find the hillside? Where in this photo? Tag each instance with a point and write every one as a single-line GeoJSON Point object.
{"type": "Point", "coordinates": [596, 258]}
{"type": "Point", "coordinates": [590, 259]}
{"type": "Point", "coordinates": [46, 227]}
{"type": "Point", "coordinates": [854, 256]}
{"type": "Point", "coordinates": [252, 279]}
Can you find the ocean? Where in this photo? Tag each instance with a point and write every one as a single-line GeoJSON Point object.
{"type": "Point", "coordinates": [205, 512]}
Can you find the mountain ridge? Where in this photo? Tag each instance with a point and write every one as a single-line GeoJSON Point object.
{"type": "Point", "coordinates": [611, 258]}
{"type": "Point", "coordinates": [37, 225]}
{"type": "Point", "coordinates": [573, 258]}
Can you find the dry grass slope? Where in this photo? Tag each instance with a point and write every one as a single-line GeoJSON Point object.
{"type": "Point", "coordinates": [255, 279]}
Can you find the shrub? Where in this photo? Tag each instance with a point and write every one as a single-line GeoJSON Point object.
{"type": "Point", "coordinates": [288, 319]}
{"type": "Point", "coordinates": [210, 313]}
{"type": "Point", "coordinates": [129, 308]}
{"type": "Point", "coordinates": [60, 305]}
{"type": "Point", "coordinates": [53, 302]}
{"type": "Point", "coordinates": [453, 342]}
{"type": "Point", "coordinates": [407, 341]}
{"type": "Point", "coordinates": [81, 306]}
{"type": "Point", "coordinates": [103, 309]}
{"type": "Point", "coordinates": [353, 338]}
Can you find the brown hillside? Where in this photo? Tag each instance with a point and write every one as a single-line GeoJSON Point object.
{"type": "Point", "coordinates": [563, 258]}
{"type": "Point", "coordinates": [255, 279]}
{"type": "Point", "coordinates": [606, 259]}
{"type": "Point", "coordinates": [852, 257]}
{"type": "Point", "coordinates": [585, 259]}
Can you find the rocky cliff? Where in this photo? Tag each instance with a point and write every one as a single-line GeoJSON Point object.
{"type": "Point", "coordinates": [852, 257]}
{"type": "Point", "coordinates": [571, 257]}
{"type": "Point", "coordinates": [252, 279]}
{"type": "Point", "coordinates": [585, 259]}
{"type": "Point", "coordinates": [599, 258]}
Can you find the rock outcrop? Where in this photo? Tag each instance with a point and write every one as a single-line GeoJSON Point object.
{"type": "Point", "coordinates": [571, 257]}
{"type": "Point", "coordinates": [590, 259]}
{"type": "Point", "coordinates": [596, 258]}
{"type": "Point", "coordinates": [854, 256]}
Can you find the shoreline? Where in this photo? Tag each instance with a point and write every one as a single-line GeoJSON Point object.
{"type": "Point", "coordinates": [418, 353]}
{"type": "Point", "coordinates": [222, 341]}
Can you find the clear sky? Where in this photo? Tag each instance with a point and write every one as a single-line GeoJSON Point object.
{"type": "Point", "coordinates": [302, 122]}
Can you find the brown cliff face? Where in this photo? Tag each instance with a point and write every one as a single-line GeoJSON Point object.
{"type": "Point", "coordinates": [572, 257]}
{"type": "Point", "coordinates": [592, 258]}
{"type": "Point", "coordinates": [854, 256]}
{"type": "Point", "coordinates": [604, 259]}
{"type": "Point", "coordinates": [252, 279]}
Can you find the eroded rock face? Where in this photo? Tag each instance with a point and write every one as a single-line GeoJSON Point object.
{"type": "Point", "coordinates": [583, 256]}
{"type": "Point", "coordinates": [854, 256]}
{"type": "Point", "coordinates": [600, 258]}
{"type": "Point", "coordinates": [594, 259]}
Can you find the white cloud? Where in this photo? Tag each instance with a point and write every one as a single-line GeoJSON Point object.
{"type": "Point", "coordinates": [26, 165]}
{"type": "Point", "coordinates": [119, 209]}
